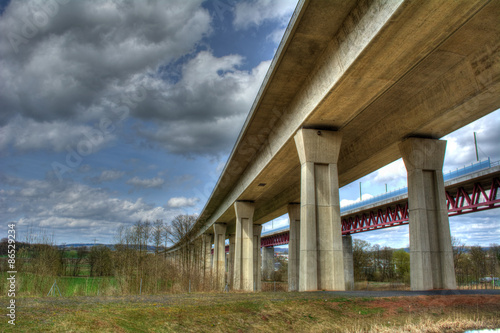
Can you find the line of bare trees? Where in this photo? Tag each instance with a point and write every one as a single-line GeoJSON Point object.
{"type": "Point", "coordinates": [137, 262]}
{"type": "Point", "coordinates": [474, 264]}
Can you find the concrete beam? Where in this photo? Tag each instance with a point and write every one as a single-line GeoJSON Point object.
{"type": "Point", "coordinates": [431, 253]}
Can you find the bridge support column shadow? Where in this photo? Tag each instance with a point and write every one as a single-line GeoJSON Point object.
{"type": "Point", "coordinates": [431, 253]}
{"type": "Point", "coordinates": [257, 258]}
{"type": "Point", "coordinates": [348, 262]}
{"type": "Point", "coordinates": [230, 269]}
{"type": "Point", "coordinates": [219, 266]}
{"type": "Point", "coordinates": [321, 254]}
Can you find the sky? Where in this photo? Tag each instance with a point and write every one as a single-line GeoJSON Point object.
{"type": "Point", "coordinates": [117, 111]}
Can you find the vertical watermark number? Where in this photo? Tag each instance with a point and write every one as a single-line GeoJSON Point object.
{"type": "Point", "coordinates": [11, 273]}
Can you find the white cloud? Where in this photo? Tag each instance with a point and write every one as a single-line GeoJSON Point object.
{"type": "Point", "coordinates": [204, 111]}
{"type": "Point", "coordinates": [257, 12]}
{"type": "Point", "coordinates": [347, 202]}
{"type": "Point", "coordinates": [29, 135]}
{"type": "Point", "coordinates": [155, 182]}
{"type": "Point", "coordinates": [180, 202]}
{"type": "Point", "coordinates": [395, 237]}
{"type": "Point", "coordinates": [460, 148]}
{"type": "Point", "coordinates": [393, 173]}
{"type": "Point", "coordinates": [254, 13]}
{"type": "Point", "coordinates": [108, 175]}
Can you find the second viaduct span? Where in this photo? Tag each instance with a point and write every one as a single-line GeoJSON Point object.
{"type": "Point", "coordinates": [353, 86]}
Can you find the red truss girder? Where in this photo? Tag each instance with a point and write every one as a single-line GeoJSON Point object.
{"type": "Point", "coordinates": [390, 217]}
{"type": "Point", "coordinates": [464, 201]}
{"type": "Point", "coordinates": [476, 199]}
{"type": "Point", "coordinates": [277, 239]}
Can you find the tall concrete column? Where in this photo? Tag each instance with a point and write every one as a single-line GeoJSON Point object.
{"type": "Point", "coordinates": [431, 253]}
{"type": "Point", "coordinates": [232, 247]}
{"type": "Point", "coordinates": [321, 257]}
{"type": "Point", "coordinates": [348, 262]}
{"type": "Point", "coordinates": [177, 256]}
{"type": "Point", "coordinates": [294, 247]}
{"type": "Point", "coordinates": [267, 262]}
{"type": "Point", "coordinates": [207, 254]}
{"type": "Point", "coordinates": [243, 252]}
{"type": "Point", "coordinates": [219, 267]}
{"type": "Point", "coordinates": [257, 258]}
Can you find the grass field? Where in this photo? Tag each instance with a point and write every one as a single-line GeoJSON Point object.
{"type": "Point", "coordinates": [256, 312]}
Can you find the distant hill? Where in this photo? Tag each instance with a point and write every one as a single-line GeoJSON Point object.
{"type": "Point", "coordinates": [89, 245]}
{"type": "Point", "coordinates": [78, 245]}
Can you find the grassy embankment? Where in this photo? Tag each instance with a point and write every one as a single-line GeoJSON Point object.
{"type": "Point", "coordinates": [262, 312]}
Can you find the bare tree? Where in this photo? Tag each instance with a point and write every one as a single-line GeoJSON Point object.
{"type": "Point", "coordinates": [493, 258]}
{"type": "Point", "coordinates": [157, 234]}
{"type": "Point", "coordinates": [458, 249]}
{"type": "Point", "coordinates": [478, 260]}
{"type": "Point", "coordinates": [179, 227]}
{"type": "Point", "coordinates": [361, 258]}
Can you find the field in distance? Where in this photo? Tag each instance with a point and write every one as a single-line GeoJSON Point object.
{"type": "Point", "coordinates": [255, 312]}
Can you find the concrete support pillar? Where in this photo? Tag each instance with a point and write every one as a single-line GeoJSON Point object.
{"type": "Point", "coordinates": [244, 250]}
{"type": "Point", "coordinates": [207, 254]}
{"type": "Point", "coordinates": [191, 258]}
{"type": "Point", "coordinates": [321, 257]}
{"type": "Point", "coordinates": [431, 253]}
{"type": "Point", "coordinates": [257, 258]}
{"type": "Point", "coordinates": [177, 256]}
{"type": "Point", "coordinates": [294, 247]}
{"type": "Point", "coordinates": [348, 262]}
{"type": "Point", "coordinates": [232, 246]}
{"type": "Point", "coordinates": [268, 262]}
{"type": "Point", "coordinates": [219, 267]}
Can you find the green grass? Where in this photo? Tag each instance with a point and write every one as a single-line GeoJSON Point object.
{"type": "Point", "coordinates": [31, 285]}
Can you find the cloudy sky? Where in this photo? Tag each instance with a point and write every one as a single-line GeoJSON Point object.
{"type": "Point", "coordinates": [117, 111]}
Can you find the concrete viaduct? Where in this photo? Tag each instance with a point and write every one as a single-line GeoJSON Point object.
{"type": "Point", "coordinates": [354, 85]}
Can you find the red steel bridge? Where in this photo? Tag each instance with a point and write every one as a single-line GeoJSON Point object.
{"type": "Point", "coordinates": [468, 190]}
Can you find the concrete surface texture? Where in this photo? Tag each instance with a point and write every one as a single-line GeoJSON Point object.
{"type": "Point", "coordinates": [267, 262]}
{"type": "Point", "coordinates": [219, 267]}
{"type": "Point", "coordinates": [431, 253]}
{"type": "Point", "coordinates": [244, 249]}
{"type": "Point", "coordinates": [321, 256]}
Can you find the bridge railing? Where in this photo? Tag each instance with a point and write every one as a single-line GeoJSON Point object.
{"type": "Point", "coordinates": [380, 197]}
{"type": "Point", "coordinates": [474, 167]}
{"type": "Point", "coordinates": [267, 232]}
{"type": "Point", "coordinates": [486, 164]}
